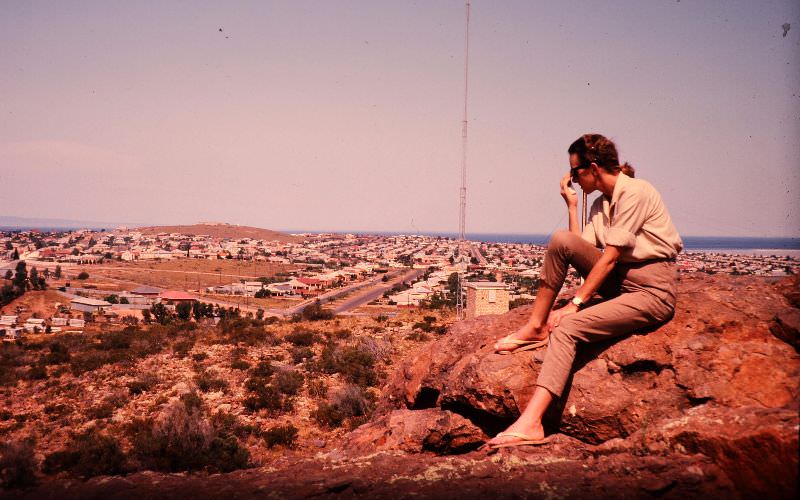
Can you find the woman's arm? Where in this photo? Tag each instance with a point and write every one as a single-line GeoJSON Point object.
{"type": "Point", "coordinates": [602, 268]}
{"type": "Point", "coordinates": [571, 198]}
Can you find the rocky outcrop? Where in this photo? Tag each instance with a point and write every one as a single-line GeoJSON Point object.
{"type": "Point", "coordinates": [438, 431]}
{"type": "Point", "coordinates": [754, 446]}
{"type": "Point", "coordinates": [717, 375]}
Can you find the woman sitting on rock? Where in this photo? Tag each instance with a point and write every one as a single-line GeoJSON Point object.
{"type": "Point", "coordinates": [634, 274]}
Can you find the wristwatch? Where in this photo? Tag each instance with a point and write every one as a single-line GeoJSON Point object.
{"type": "Point", "coordinates": [577, 301]}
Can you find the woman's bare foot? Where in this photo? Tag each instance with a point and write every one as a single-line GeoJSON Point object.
{"type": "Point", "coordinates": [528, 333]}
{"type": "Point", "coordinates": [531, 431]}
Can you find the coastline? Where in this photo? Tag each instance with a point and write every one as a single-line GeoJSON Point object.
{"type": "Point", "coordinates": [793, 253]}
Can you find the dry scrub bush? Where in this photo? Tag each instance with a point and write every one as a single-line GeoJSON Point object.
{"type": "Point", "coordinates": [264, 396]}
{"type": "Point", "coordinates": [126, 346]}
{"type": "Point", "coordinates": [208, 380]}
{"type": "Point", "coordinates": [181, 437]}
{"type": "Point", "coordinates": [315, 312]}
{"type": "Point", "coordinates": [105, 408]}
{"type": "Point", "coordinates": [17, 463]}
{"type": "Point", "coordinates": [263, 369]}
{"type": "Point", "coordinates": [283, 435]}
{"type": "Point", "coordinates": [182, 347]}
{"type": "Point", "coordinates": [355, 363]}
{"type": "Point", "coordinates": [146, 380]}
{"type": "Point", "coordinates": [59, 353]}
{"type": "Point", "coordinates": [288, 382]}
{"type": "Point", "coordinates": [89, 453]}
{"type": "Point", "coordinates": [350, 403]}
{"type": "Point", "coordinates": [245, 330]}
{"type": "Point", "coordinates": [317, 388]}
{"type": "Point", "coordinates": [300, 354]}
{"type": "Point", "coordinates": [37, 372]}
{"type": "Point", "coordinates": [302, 338]}
{"type": "Point", "coordinates": [378, 348]}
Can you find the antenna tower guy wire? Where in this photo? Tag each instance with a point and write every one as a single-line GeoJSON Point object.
{"type": "Point", "coordinates": [462, 213]}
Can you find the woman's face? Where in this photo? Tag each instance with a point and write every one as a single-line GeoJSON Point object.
{"type": "Point", "coordinates": [584, 176]}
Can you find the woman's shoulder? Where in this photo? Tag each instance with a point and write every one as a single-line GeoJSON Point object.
{"type": "Point", "coordinates": [636, 186]}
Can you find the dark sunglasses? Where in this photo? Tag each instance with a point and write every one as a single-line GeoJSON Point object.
{"type": "Point", "coordinates": [573, 171]}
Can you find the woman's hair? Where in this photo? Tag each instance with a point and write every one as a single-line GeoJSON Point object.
{"type": "Point", "coordinates": [595, 148]}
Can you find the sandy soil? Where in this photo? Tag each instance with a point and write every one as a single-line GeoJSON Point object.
{"type": "Point", "coordinates": [185, 274]}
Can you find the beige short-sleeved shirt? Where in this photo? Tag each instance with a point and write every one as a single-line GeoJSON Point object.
{"type": "Point", "coordinates": [636, 220]}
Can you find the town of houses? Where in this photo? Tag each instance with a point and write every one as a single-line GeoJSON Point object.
{"type": "Point", "coordinates": [320, 263]}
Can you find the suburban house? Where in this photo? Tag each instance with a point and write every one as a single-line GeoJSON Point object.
{"type": "Point", "coordinates": [85, 304]}
{"type": "Point", "coordinates": [8, 320]}
{"type": "Point", "coordinates": [280, 289]}
{"type": "Point", "coordinates": [175, 297]}
{"type": "Point", "coordinates": [147, 291]}
{"type": "Point", "coordinates": [34, 325]}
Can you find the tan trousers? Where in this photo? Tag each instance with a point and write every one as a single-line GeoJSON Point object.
{"type": "Point", "coordinates": [637, 295]}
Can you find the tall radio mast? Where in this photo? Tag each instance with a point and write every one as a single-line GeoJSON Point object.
{"type": "Point", "coordinates": [462, 212]}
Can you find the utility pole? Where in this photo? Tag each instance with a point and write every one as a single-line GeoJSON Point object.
{"type": "Point", "coordinates": [462, 212]}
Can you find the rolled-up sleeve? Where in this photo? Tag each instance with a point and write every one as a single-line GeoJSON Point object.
{"type": "Point", "coordinates": [628, 218]}
{"type": "Point", "coordinates": [589, 234]}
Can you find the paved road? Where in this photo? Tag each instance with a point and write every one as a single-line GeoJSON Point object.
{"type": "Point", "coordinates": [377, 291]}
{"type": "Point", "coordinates": [477, 254]}
{"type": "Point", "coordinates": [7, 265]}
{"type": "Point", "coordinates": [338, 292]}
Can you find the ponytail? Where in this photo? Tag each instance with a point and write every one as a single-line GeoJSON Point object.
{"type": "Point", "coordinates": [627, 169]}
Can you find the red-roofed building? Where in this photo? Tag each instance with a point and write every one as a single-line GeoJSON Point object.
{"type": "Point", "coordinates": [311, 282]}
{"type": "Point", "coordinates": [172, 297]}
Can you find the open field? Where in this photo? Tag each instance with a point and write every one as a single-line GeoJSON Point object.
{"type": "Point", "coordinates": [185, 274]}
{"type": "Point", "coordinates": [264, 303]}
{"type": "Point", "coordinates": [41, 303]}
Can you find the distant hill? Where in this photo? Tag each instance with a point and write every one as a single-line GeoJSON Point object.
{"type": "Point", "coordinates": [221, 230]}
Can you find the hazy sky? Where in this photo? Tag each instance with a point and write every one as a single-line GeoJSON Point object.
{"type": "Point", "coordinates": [346, 115]}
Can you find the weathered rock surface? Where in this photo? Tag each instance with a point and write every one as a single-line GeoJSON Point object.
{"type": "Point", "coordinates": [522, 474]}
{"type": "Point", "coordinates": [438, 431]}
{"type": "Point", "coordinates": [717, 371]}
{"type": "Point", "coordinates": [755, 446]}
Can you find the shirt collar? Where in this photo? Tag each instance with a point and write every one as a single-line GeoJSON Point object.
{"type": "Point", "coordinates": [622, 180]}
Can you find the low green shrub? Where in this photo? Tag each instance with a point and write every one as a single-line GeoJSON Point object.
{"type": "Point", "coordinates": [37, 372]}
{"type": "Point", "coordinates": [199, 357]}
{"type": "Point", "coordinates": [240, 364]}
{"type": "Point", "coordinates": [285, 435]}
{"type": "Point", "coordinates": [144, 382]}
{"type": "Point", "coordinates": [288, 382]}
{"type": "Point", "coordinates": [350, 403]}
{"type": "Point", "coordinates": [417, 336]}
{"type": "Point", "coordinates": [303, 338]}
{"type": "Point", "coordinates": [264, 397]}
{"type": "Point", "coordinates": [263, 369]}
{"type": "Point", "coordinates": [300, 354]}
{"type": "Point", "coordinates": [88, 454]}
{"type": "Point", "coordinates": [17, 463]}
{"type": "Point", "coordinates": [317, 388]}
{"type": "Point", "coordinates": [207, 381]}
{"type": "Point", "coordinates": [182, 438]}
{"type": "Point", "coordinates": [357, 366]}
{"type": "Point", "coordinates": [59, 353]}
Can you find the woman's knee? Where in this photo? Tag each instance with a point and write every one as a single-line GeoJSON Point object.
{"type": "Point", "coordinates": [563, 333]}
{"type": "Point", "coordinates": [560, 240]}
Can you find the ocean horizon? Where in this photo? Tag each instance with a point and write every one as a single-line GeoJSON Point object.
{"type": "Point", "coordinates": [690, 242]}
